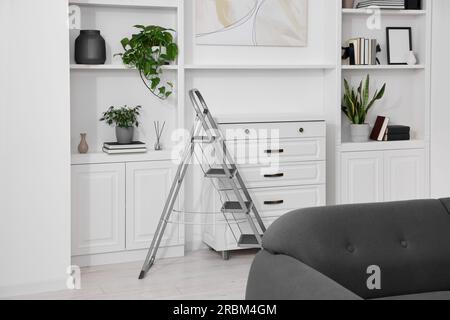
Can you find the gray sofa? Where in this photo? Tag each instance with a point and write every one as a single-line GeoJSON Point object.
{"type": "Point", "coordinates": [324, 253]}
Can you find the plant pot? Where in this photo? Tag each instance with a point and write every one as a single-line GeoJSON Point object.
{"type": "Point", "coordinates": [90, 48]}
{"type": "Point", "coordinates": [360, 132]}
{"type": "Point", "coordinates": [124, 135]}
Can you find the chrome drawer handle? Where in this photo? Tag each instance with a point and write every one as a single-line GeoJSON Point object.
{"type": "Point", "coordinates": [274, 151]}
{"type": "Point", "coordinates": [278, 175]}
{"type": "Point", "coordinates": [272, 203]}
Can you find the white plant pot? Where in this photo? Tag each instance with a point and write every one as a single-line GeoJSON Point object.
{"type": "Point", "coordinates": [360, 132]}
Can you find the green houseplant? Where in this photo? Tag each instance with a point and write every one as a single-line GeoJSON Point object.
{"type": "Point", "coordinates": [148, 51]}
{"type": "Point", "coordinates": [124, 119]}
{"type": "Point", "coordinates": [357, 104]}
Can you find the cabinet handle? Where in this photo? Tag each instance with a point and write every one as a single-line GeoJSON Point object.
{"type": "Point", "coordinates": [274, 151]}
{"type": "Point", "coordinates": [277, 175]}
{"type": "Point", "coordinates": [272, 203]}
{"type": "Point", "coordinates": [301, 130]}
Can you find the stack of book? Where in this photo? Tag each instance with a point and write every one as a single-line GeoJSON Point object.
{"type": "Point", "coordinates": [116, 148]}
{"type": "Point", "coordinates": [362, 51]}
{"type": "Point", "coordinates": [382, 131]}
{"type": "Point", "coordinates": [382, 4]}
{"type": "Point", "coordinates": [397, 133]}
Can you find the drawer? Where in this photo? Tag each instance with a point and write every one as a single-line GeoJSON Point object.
{"type": "Point", "coordinates": [286, 174]}
{"type": "Point", "coordinates": [284, 150]}
{"type": "Point", "coordinates": [275, 202]}
{"type": "Point", "coordinates": [277, 130]}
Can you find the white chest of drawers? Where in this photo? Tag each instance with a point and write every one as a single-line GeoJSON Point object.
{"type": "Point", "coordinates": [283, 164]}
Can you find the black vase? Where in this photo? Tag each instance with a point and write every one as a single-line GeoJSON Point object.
{"type": "Point", "coordinates": [90, 48]}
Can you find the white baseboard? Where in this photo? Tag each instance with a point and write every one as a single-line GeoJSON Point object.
{"type": "Point", "coordinates": [32, 288]}
{"type": "Point", "coordinates": [125, 256]}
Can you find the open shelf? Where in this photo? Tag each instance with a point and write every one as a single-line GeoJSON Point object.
{"type": "Point", "coordinates": [384, 12]}
{"type": "Point", "coordinates": [111, 67]}
{"type": "Point", "coordinates": [382, 145]}
{"type": "Point", "coordinates": [128, 3]}
{"type": "Point", "coordinates": [101, 157]}
{"type": "Point", "coordinates": [260, 67]}
{"type": "Point", "coordinates": [383, 67]}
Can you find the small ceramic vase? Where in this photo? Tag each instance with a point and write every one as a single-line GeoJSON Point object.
{"type": "Point", "coordinates": [83, 147]}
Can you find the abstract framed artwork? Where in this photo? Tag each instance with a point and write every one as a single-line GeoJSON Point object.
{"type": "Point", "coordinates": [281, 23]}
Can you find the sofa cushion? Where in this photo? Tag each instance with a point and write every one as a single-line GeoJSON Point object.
{"type": "Point", "coordinates": [409, 241]}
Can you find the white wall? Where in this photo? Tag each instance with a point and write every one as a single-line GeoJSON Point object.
{"type": "Point", "coordinates": [34, 146]}
{"type": "Point", "coordinates": [440, 105]}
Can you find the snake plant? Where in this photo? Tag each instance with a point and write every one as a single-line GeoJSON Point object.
{"type": "Point", "coordinates": [357, 103]}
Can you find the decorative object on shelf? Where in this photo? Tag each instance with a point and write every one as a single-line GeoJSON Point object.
{"type": "Point", "coordinates": [397, 133]}
{"type": "Point", "coordinates": [83, 147]}
{"type": "Point", "coordinates": [381, 4]}
{"type": "Point", "coordinates": [158, 41]}
{"type": "Point", "coordinates": [159, 131]}
{"type": "Point", "coordinates": [399, 45]}
{"type": "Point", "coordinates": [117, 148]}
{"type": "Point", "coordinates": [252, 23]}
{"type": "Point", "coordinates": [361, 51]}
{"type": "Point", "coordinates": [90, 48]}
{"type": "Point", "coordinates": [380, 128]}
{"type": "Point", "coordinates": [357, 104]}
{"type": "Point", "coordinates": [348, 4]}
{"type": "Point", "coordinates": [413, 4]}
{"type": "Point", "coordinates": [412, 60]}
{"type": "Point", "coordinates": [125, 119]}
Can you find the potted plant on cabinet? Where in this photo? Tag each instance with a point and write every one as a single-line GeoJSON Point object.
{"type": "Point", "coordinates": [356, 105]}
{"type": "Point", "coordinates": [148, 51]}
{"type": "Point", "coordinates": [125, 119]}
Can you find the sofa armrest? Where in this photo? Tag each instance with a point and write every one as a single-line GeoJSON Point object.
{"type": "Point", "coordinates": [280, 277]}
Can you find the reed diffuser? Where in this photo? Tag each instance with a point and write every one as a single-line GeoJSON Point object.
{"type": "Point", "coordinates": [159, 132]}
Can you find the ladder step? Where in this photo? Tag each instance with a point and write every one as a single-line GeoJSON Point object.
{"type": "Point", "coordinates": [201, 139]}
{"type": "Point", "coordinates": [248, 241]}
{"type": "Point", "coordinates": [219, 173]}
{"type": "Point", "coordinates": [235, 207]}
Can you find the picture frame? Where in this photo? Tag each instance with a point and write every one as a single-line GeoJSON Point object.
{"type": "Point", "coordinates": [399, 45]}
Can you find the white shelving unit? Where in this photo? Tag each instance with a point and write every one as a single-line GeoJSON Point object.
{"type": "Point", "coordinates": [265, 82]}
{"type": "Point", "coordinates": [360, 167]}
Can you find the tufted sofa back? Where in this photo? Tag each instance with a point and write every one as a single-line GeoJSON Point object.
{"type": "Point", "coordinates": [409, 241]}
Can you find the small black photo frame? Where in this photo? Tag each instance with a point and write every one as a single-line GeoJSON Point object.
{"type": "Point", "coordinates": [399, 44]}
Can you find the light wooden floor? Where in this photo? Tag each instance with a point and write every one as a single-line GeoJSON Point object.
{"type": "Point", "coordinates": [201, 275]}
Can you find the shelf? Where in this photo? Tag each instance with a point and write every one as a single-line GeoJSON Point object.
{"type": "Point", "coordinates": [127, 3]}
{"type": "Point", "coordinates": [384, 12]}
{"type": "Point", "coordinates": [112, 67]}
{"type": "Point", "coordinates": [380, 146]}
{"type": "Point", "coordinates": [384, 67]}
{"type": "Point", "coordinates": [101, 157]}
{"type": "Point", "coordinates": [261, 67]}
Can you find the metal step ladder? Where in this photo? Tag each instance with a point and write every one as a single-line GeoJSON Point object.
{"type": "Point", "coordinates": [206, 131]}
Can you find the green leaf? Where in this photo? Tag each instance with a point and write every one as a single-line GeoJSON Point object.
{"type": "Point", "coordinates": [155, 82]}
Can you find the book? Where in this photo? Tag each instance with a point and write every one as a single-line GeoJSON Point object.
{"type": "Point", "coordinates": [382, 4]}
{"type": "Point", "coordinates": [124, 151]}
{"type": "Point", "coordinates": [117, 146]}
{"type": "Point", "coordinates": [366, 52]}
{"type": "Point", "coordinates": [396, 130]}
{"type": "Point", "coordinates": [379, 130]}
{"type": "Point", "coordinates": [397, 137]}
{"type": "Point", "coordinates": [362, 51]}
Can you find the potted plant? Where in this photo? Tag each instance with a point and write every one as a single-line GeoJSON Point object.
{"type": "Point", "coordinates": [356, 105]}
{"type": "Point", "coordinates": [148, 51]}
{"type": "Point", "coordinates": [124, 119]}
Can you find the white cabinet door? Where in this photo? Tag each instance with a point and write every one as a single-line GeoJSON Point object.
{"type": "Point", "coordinates": [148, 186]}
{"type": "Point", "coordinates": [362, 177]}
{"type": "Point", "coordinates": [98, 208]}
{"type": "Point", "coordinates": [404, 175]}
